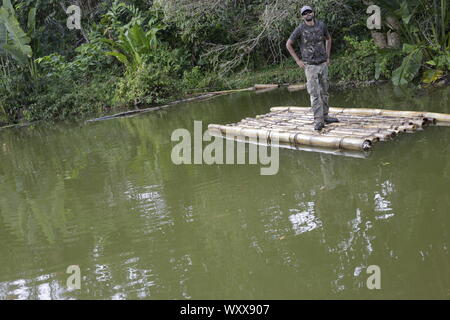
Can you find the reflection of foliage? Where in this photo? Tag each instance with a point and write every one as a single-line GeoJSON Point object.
{"type": "Point", "coordinates": [106, 196]}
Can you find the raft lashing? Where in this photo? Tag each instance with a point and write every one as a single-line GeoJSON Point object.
{"type": "Point", "coordinates": [359, 128]}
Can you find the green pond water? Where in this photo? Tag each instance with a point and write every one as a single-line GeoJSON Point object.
{"type": "Point", "coordinates": [106, 197]}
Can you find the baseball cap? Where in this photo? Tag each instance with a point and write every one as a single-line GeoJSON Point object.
{"type": "Point", "coordinates": [305, 8]}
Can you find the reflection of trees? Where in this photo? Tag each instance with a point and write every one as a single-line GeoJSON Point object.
{"type": "Point", "coordinates": [85, 186]}
{"type": "Point", "coordinates": [388, 198]}
{"type": "Point", "coordinates": [368, 213]}
{"type": "Point", "coordinates": [396, 98]}
{"type": "Point", "coordinates": [107, 197]}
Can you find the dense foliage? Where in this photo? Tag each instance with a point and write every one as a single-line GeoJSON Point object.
{"type": "Point", "coordinates": [143, 52]}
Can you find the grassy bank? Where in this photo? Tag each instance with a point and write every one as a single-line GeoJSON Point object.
{"type": "Point", "coordinates": [94, 95]}
{"type": "Point", "coordinates": [71, 93]}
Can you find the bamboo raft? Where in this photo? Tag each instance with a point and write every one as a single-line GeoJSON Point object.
{"type": "Point", "coordinates": [358, 130]}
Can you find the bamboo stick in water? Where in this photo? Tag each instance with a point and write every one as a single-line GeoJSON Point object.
{"type": "Point", "coordinates": [380, 133]}
{"type": "Point", "coordinates": [265, 86]}
{"type": "Point", "coordinates": [442, 117]}
{"type": "Point", "coordinates": [339, 142]}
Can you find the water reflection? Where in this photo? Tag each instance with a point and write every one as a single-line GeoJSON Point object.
{"type": "Point", "coordinates": [381, 203]}
{"type": "Point", "coordinates": [304, 221]}
{"type": "Point", "coordinates": [106, 197]}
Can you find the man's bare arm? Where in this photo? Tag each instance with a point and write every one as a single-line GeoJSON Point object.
{"type": "Point", "coordinates": [328, 46]}
{"type": "Point", "coordinates": [289, 46]}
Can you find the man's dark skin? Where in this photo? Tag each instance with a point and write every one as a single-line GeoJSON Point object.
{"type": "Point", "coordinates": [308, 18]}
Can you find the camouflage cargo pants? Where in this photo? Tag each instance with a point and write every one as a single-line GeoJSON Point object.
{"type": "Point", "coordinates": [317, 85]}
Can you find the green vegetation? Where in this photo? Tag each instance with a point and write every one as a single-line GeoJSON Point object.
{"type": "Point", "coordinates": [129, 54]}
{"type": "Point", "coordinates": [424, 27]}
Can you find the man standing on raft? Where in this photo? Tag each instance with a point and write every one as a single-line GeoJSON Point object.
{"type": "Point", "coordinates": [315, 60]}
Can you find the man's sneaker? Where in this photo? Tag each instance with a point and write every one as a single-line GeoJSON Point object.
{"type": "Point", "coordinates": [319, 126]}
{"type": "Point", "coordinates": [331, 120]}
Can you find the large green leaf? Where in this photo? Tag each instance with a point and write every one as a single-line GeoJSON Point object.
{"type": "Point", "coordinates": [377, 70]}
{"type": "Point", "coordinates": [18, 41]}
{"type": "Point", "coordinates": [16, 53]}
{"type": "Point", "coordinates": [3, 34]}
{"type": "Point", "coordinates": [409, 68]}
{"type": "Point", "coordinates": [122, 50]}
{"type": "Point", "coordinates": [126, 45]}
{"type": "Point", "coordinates": [8, 6]}
{"type": "Point", "coordinates": [108, 41]}
{"type": "Point", "coordinates": [137, 39]}
{"type": "Point", "coordinates": [31, 23]}
{"type": "Point", "coordinates": [408, 48]}
{"type": "Point", "coordinates": [405, 12]}
{"type": "Point", "coordinates": [133, 45]}
{"type": "Point", "coordinates": [151, 37]}
{"type": "Point", "coordinates": [431, 76]}
{"type": "Point", "coordinates": [121, 57]}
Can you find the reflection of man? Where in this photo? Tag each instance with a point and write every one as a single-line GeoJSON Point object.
{"type": "Point", "coordinates": [330, 180]}
{"type": "Point", "coordinates": [315, 60]}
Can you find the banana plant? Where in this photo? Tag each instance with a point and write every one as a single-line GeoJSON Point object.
{"type": "Point", "coordinates": [410, 65]}
{"type": "Point", "coordinates": [421, 44]}
{"type": "Point", "coordinates": [14, 41]}
{"type": "Point", "coordinates": [133, 46]}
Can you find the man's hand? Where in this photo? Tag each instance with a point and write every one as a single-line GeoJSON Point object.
{"type": "Point", "coordinates": [301, 64]}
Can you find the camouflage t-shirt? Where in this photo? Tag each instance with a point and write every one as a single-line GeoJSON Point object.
{"type": "Point", "coordinates": [312, 41]}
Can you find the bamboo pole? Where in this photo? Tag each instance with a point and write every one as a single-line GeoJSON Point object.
{"type": "Point", "coordinates": [372, 135]}
{"type": "Point", "coordinates": [419, 121]}
{"type": "Point", "coordinates": [265, 86]}
{"type": "Point", "coordinates": [358, 129]}
{"type": "Point", "coordinates": [296, 87]}
{"type": "Point", "coordinates": [301, 123]}
{"type": "Point", "coordinates": [309, 139]}
{"type": "Point", "coordinates": [442, 117]}
{"type": "Point", "coordinates": [351, 119]}
{"type": "Point", "coordinates": [339, 152]}
{"type": "Point", "coordinates": [340, 115]}
{"type": "Point", "coordinates": [290, 109]}
{"type": "Point", "coordinates": [393, 126]}
{"type": "Point", "coordinates": [381, 123]}
{"type": "Point", "coordinates": [380, 133]}
{"type": "Point", "coordinates": [195, 94]}
{"type": "Point", "coordinates": [390, 130]}
{"type": "Point", "coordinates": [232, 91]}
